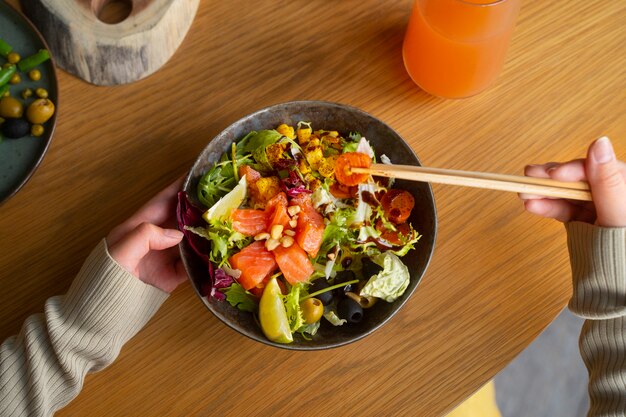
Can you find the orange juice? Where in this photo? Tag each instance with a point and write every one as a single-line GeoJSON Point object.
{"type": "Point", "coordinates": [456, 48]}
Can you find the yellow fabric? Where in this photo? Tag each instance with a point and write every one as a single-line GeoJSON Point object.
{"type": "Point", "coordinates": [481, 404]}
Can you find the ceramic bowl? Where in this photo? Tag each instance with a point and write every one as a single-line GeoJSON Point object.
{"type": "Point", "coordinates": [20, 158]}
{"type": "Point", "coordinates": [345, 119]}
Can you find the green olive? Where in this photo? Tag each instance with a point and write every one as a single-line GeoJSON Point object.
{"type": "Point", "coordinates": [15, 79]}
{"type": "Point", "coordinates": [34, 75]}
{"type": "Point", "coordinates": [41, 93]}
{"type": "Point", "coordinates": [36, 130]}
{"type": "Point", "coordinates": [27, 93]}
{"type": "Point", "coordinates": [11, 108]}
{"type": "Point", "coordinates": [39, 111]}
{"type": "Point", "coordinates": [13, 58]}
{"type": "Point", "coordinates": [312, 310]}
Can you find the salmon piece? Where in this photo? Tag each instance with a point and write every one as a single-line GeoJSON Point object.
{"type": "Point", "coordinates": [248, 221]}
{"type": "Point", "coordinates": [310, 230]}
{"type": "Point", "coordinates": [255, 263]}
{"type": "Point", "coordinates": [276, 209]}
{"type": "Point", "coordinates": [303, 200]}
{"type": "Point", "coordinates": [294, 263]}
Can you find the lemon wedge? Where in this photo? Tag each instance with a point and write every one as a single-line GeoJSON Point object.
{"type": "Point", "coordinates": [221, 210]}
{"type": "Point", "coordinates": [272, 314]}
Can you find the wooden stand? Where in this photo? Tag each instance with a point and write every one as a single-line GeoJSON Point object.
{"type": "Point", "coordinates": [110, 54]}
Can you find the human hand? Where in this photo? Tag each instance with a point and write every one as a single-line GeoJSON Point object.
{"type": "Point", "coordinates": [145, 244]}
{"type": "Point", "coordinates": [607, 180]}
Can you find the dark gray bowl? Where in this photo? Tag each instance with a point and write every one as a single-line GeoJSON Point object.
{"type": "Point", "coordinates": [330, 116]}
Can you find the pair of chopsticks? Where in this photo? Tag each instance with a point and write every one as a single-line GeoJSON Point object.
{"type": "Point", "coordinates": [514, 183]}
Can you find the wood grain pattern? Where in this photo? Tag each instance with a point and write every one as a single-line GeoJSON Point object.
{"type": "Point", "coordinates": [112, 54]}
{"type": "Point", "coordinates": [498, 276]}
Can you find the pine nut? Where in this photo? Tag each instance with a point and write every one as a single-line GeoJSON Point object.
{"type": "Point", "coordinates": [262, 236]}
{"type": "Point", "coordinates": [293, 210]}
{"type": "Point", "coordinates": [276, 231]}
{"type": "Point", "coordinates": [293, 222]}
{"type": "Point", "coordinates": [271, 244]}
{"type": "Point", "coordinates": [286, 241]}
{"type": "Point", "coordinates": [289, 232]}
{"type": "Point", "coordinates": [331, 256]}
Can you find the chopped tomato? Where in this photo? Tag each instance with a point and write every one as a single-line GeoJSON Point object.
{"type": "Point", "coordinates": [248, 221]}
{"type": "Point", "coordinates": [397, 205]}
{"type": "Point", "coordinates": [393, 236]}
{"type": "Point", "coordinates": [344, 165]}
{"type": "Point", "coordinates": [255, 263]}
{"type": "Point", "coordinates": [293, 263]}
{"type": "Point", "coordinates": [343, 191]}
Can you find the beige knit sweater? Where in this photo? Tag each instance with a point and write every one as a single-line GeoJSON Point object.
{"type": "Point", "coordinates": [598, 258]}
{"type": "Point", "coordinates": [43, 368]}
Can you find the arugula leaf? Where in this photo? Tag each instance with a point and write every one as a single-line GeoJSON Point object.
{"type": "Point", "coordinates": [240, 298]}
{"type": "Point", "coordinates": [216, 183]}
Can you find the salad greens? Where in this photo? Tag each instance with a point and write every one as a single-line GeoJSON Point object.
{"type": "Point", "coordinates": [277, 214]}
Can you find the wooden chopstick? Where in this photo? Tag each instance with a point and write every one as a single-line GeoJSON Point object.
{"type": "Point", "coordinates": [514, 183]}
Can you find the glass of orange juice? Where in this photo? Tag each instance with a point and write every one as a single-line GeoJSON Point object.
{"type": "Point", "coordinates": [456, 48]}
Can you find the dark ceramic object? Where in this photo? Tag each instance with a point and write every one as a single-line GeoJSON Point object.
{"type": "Point", "coordinates": [344, 119]}
{"type": "Point", "coordinates": [19, 158]}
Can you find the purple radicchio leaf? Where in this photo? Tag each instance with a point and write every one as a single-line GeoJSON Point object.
{"type": "Point", "coordinates": [293, 185]}
{"type": "Point", "coordinates": [189, 215]}
{"type": "Point", "coordinates": [220, 280]}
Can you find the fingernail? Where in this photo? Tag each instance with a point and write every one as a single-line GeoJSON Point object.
{"type": "Point", "coordinates": [602, 151]}
{"type": "Point", "coordinates": [173, 233]}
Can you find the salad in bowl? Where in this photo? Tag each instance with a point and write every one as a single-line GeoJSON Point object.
{"type": "Point", "coordinates": [293, 238]}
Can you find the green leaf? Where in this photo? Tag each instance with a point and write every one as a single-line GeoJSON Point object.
{"type": "Point", "coordinates": [215, 184]}
{"type": "Point", "coordinates": [255, 140]}
{"type": "Point", "coordinates": [240, 298]}
{"type": "Point", "coordinates": [391, 282]}
{"type": "Point", "coordinates": [292, 306]}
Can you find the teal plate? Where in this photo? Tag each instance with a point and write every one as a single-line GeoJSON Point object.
{"type": "Point", "coordinates": [19, 158]}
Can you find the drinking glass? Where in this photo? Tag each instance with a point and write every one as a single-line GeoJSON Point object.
{"type": "Point", "coordinates": [456, 48]}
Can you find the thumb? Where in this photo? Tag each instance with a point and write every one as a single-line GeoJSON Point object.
{"type": "Point", "coordinates": [608, 186]}
{"type": "Point", "coordinates": [129, 250]}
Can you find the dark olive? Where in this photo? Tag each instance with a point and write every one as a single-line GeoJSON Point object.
{"type": "Point", "coordinates": [350, 310]}
{"type": "Point", "coordinates": [15, 128]}
{"type": "Point", "coordinates": [344, 276]}
{"type": "Point", "coordinates": [370, 268]}
{"type": "Point", "coordinates": [346, 262]}
{"type": "Point", "coordinates": [320, 284]}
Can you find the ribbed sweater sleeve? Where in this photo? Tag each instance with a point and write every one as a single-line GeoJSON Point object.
{"type": "Point", "coordinates": [43, 368]}
{"type": "Point", "coordinates": [598, 260]}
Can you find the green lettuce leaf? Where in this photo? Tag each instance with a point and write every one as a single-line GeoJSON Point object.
{"type": "Point", "coordinates": [292, 306]}
{"type": "Point", "coordinates": [391, 282]}
{"type": "Point", "coordinates": [255, 140]}
{"type": "Point", "coordinates": [240, 298]}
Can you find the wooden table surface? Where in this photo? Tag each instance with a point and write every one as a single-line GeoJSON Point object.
{"type": "Point", "coordinates": [498, 277]}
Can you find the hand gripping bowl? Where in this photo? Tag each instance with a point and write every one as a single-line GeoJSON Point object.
{"type": "Point", "coordinates": [330, 116]}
